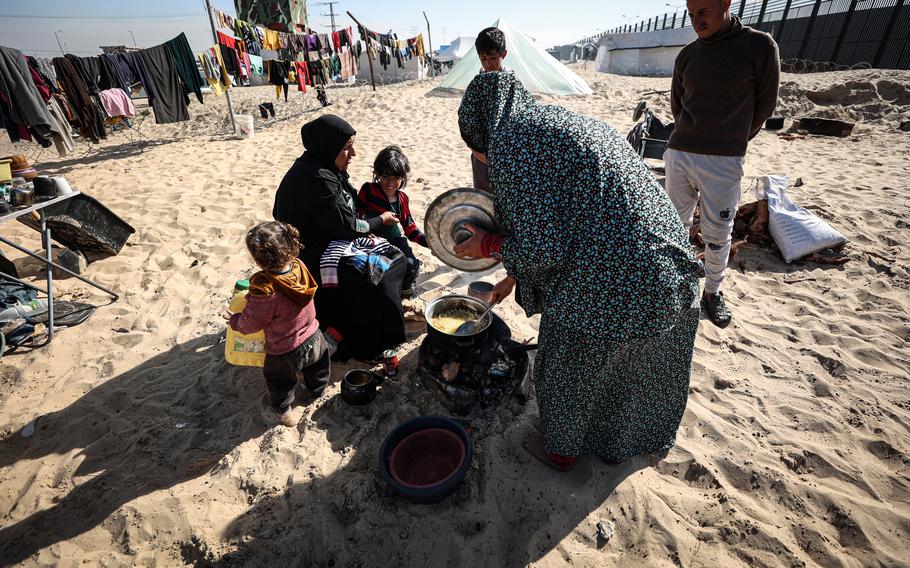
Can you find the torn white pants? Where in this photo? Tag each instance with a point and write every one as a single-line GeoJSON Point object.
{"type": "Point", "coordinates": [715, 180]}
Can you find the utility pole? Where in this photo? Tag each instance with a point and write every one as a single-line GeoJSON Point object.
{"type": "Point", "coordinates": [366, 40]}
{"type": "Point", "coordinates": [331, 13]}
{"type": "Point", "coordinates": [134, 39]}
{"type": "Point", "coordinates": [58, 41]}
{"type": "Point", "coordinates": [227, 93]}
{"type": "Point", "coordinates": [430, 52]}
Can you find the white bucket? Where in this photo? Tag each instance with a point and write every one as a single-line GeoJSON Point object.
{"type": "Point", "coordinates": [244, 126]}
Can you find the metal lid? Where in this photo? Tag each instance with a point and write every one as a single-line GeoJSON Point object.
{"type": "Point", "coordinates": [444, 225]}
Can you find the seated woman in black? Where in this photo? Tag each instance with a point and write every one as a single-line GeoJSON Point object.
{"type": "Point", "coordinates": [316, 197]}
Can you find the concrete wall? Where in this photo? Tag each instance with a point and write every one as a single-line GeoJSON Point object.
{"type": "Point", "coordinates": [414, 68]}
{"type": "Point", "coordinates": [643, 53]}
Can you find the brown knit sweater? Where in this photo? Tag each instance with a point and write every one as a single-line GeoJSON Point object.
{"type": "Point", "coordinates": [724, 89]}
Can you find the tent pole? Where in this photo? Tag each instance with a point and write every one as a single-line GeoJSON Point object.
{"type": "Point", "coordinates": [227, 93]}
{"type": "Point", "coordinates": [366, 39]}
{"type": "Point", "coordinates": [430, 39]}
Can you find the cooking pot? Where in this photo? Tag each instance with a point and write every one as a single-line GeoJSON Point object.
{"type": "Point", "coordinates": [358, 387]}
{"type": "Point", "coordinates": [45, 187]}
{"type": "Point", "coordinates": [21, 197]}
{"type": "Point", "coordinates": [450, 341]}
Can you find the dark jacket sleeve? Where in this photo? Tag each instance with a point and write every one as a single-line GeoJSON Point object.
{"type": "Point", "coordinates": [767, 83]}
{"type": "Point", "coordinates": [330, 212]}
{"type": "Point", "coordinates": [676, 88]}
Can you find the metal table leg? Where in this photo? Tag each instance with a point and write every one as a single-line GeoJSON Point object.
{"type": "Point", "coordinates": [46, 241]}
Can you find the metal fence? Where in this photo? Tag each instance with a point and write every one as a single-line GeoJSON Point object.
{"type": "Point", "coordinates": [874, 33]}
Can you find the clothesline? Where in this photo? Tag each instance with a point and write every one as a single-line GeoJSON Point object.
{"type": "Point", "coordinates": [47, 100]}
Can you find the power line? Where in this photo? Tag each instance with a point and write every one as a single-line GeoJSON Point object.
{"type": "Point", "coordinates": [121, 17]}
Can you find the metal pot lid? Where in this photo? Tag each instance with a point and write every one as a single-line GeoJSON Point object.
{"type": "Point", "coordinates": [444, 225]}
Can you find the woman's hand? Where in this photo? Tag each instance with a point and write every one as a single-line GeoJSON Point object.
{"type": "Point", "coordinates": [472, 247]}
{"type": "Point", "coordinates": [503, 289]}
{"type": "Point", "coordinates": [389, 218]}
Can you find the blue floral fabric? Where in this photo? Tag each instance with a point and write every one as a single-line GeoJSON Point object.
{"type": "Point", "coordinates": [598, 249]}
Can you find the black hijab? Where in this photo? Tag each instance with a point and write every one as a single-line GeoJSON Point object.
{"type": "Point", "coordinates": [324, 138]}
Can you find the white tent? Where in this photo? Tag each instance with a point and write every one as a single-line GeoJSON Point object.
{"type": "Point", "coordinates": [539, 71]}
{"type": "Point", "coordinates": [457, 49]}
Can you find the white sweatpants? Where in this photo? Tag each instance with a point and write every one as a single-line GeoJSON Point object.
{"type": "Point", "coordinates": [716, 181]}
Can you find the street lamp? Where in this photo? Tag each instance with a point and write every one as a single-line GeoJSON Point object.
{"type": "Point", "coordinates": [58, 41]}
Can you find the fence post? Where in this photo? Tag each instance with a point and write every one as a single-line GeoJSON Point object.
{"type": "Point", "coordinates": [783, 22]}
{"type": "Point", "coordinates": [761, 12]}
{"type": "Point", "coordinates": [742, 8]}
{"type": "Point", "coordinates": [684, 19]}
{"type": "Point", "coordinates": [673, 25]}
{"type": "Point", "coordinates": [812, 18]}
{"type": "Point", "coordinates": [665, 23]}
{"type": "Point", "coordinates": [895, 14]}
{"type": "Point", "coordinates": [843, 30]}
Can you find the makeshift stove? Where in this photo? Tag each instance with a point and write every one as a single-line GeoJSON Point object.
{"type": "Point", "coordinates": [477, 376]}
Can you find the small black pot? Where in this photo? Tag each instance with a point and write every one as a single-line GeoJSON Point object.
{"type": "Point", "coordinates": [448, 341]}
{"type": "Point", "coordinates": [358, 387]}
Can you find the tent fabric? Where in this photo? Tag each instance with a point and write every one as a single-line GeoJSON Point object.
{"type": "Point", "coordinates": [457, 50]}
{"type": "Point", "coordinates": [539, 71]}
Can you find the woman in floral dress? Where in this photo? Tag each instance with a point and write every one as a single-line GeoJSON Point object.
{"type": "Point", "coordinates": [597, 248]}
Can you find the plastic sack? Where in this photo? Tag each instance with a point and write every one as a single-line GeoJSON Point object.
{"type": "Point", "coordinates": [243, 124]}
{"type": "Point", "coordinates": [796, 231]}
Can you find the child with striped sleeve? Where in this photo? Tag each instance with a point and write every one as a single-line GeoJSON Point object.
{"type": "Point", "coordinates": [391, 171]}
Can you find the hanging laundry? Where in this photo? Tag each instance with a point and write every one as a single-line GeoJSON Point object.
{"type": "Point", "coordinates": [110, 77]}
{"type": "Point", "coordinates": [271, 40]}
{"type": "Point", "coordinates": [303, 74]}
{"type": "Point", "coordinates": [23, 104]}
{"type": "Point", "coordinates": [116, 103]}
{"type": "Point", "coordinates": [170, 104]}
{"type": "Point", "coordinates": [255, 65]}
{"type": "Point", "coordinates": [46, 68]}
{"type": "Point", "coordinates": [91, 123]}
{"type": "Point", "coordinates": [182, 55]}
{"type": "Point", "coordinates": [131, 62]}
{"type": "Point", "coordinates": [64, 140]}
{"type": "Point", "coordinates": [278, 76]}
{"type": "Point", "coordinates": [213, 70]}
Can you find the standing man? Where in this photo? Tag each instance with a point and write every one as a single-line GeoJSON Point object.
{"type": "Point", "coordinates": [724, 89]}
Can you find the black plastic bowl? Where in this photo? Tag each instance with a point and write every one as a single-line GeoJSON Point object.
{"type": "Point", "coordinates": [417, 485]}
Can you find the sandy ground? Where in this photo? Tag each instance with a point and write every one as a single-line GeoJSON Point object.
{"type": "Point", "coordinates": [148, 449]}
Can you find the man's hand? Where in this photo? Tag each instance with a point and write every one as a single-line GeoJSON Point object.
{"type": "Point", "coordinates": [389, 218]}
{"type": "Point", "coordinates": [471, 248]}
{"type": "Point", "coordinates": [503, 289]}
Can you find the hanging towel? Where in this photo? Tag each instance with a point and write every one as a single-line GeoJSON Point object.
{"type": "Point", "coordinates": [170, 101]}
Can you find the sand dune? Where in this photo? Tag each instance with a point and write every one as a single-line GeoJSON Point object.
{"type": "Point", "coordinates": [148, 449]}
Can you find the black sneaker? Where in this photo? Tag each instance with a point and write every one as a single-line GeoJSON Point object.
{"type": "Point", "coordinates": [716, 309]}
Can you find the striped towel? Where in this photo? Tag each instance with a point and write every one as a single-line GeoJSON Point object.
{"type": "Point", "coordinates": [372, 256]}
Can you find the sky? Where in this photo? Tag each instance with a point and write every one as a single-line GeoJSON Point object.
{"type": "Point", "coordinates": [85, 25]}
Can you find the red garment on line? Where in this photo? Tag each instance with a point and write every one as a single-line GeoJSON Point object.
{"type": "Point", "coordinates": [302, 75]}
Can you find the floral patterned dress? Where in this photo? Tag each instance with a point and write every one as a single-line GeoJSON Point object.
{"type": "Point", "coordinates": [598, 249]}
